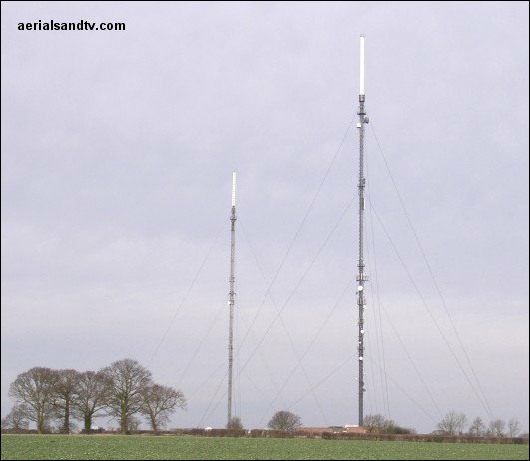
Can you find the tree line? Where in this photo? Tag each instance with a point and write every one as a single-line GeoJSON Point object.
{"type": "Point", "coordinates": [455, 423]}
{"type": "Point", "coordinates": [121, 390]}
{"type": "Point", "coordinates": [378, 424]}
{"type": "Point", "coordinates": [281, 421]}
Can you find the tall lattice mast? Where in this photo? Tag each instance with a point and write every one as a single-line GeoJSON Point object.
{"type": "Point", "coordinates": [361, 277]}
{"type": "Point", "coordinates": [231, 296]}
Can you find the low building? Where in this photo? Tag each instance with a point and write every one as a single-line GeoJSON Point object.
{"type": "Point", "coordinates": [348, 428]}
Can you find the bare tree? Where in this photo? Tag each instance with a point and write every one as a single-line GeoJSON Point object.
{"type": "Point", "coordinates": [374, 423]}
{"type": "Point", "coordinates": [453, 423]}
{"type": "Point", "coordinates": [496, 428]}
{"type": "Point", "coordinates": [92, 396]}
{"type": "Point", "coordinates": [17, 418]}
{"type": "Point", "coordinates": [235, 423]}
{"type": "Point", "coordinates": [35, 388]}
{"type": "Point", "coordinates": [514, 427]}
{"type": "Point", "coordinates": [477, 428]}
{"type": "Point", "coordinates": [64, 395]}
{"type": "Point", "coordinates": [159, 403]}
{"type": "Point", "coordinates": [285, 421]}
{"type": "Point", "coordinates": [133, 423]}
{"type": "Point", "coordinates": [127, 381]}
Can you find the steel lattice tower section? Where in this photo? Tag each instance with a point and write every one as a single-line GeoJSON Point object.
{"type": "Point", "coordinates": [231, 296]}
{"type": "Point", "coordinates": [361, 277]}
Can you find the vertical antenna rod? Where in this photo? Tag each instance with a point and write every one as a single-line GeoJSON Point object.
{"type": "Point", "coordinates": [231, 296]}
{"type": "Point", "coordinates": [361, 277]}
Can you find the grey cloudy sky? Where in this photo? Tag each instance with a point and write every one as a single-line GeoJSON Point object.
{"type": "Point", "coordinates": [117, 154]}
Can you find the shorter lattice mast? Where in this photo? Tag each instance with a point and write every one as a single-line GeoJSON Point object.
{"type": "Point", "coordinates": [231, 297]}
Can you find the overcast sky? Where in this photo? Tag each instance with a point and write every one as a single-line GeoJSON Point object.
{"type": "Point", "coordinates": [117, 155]}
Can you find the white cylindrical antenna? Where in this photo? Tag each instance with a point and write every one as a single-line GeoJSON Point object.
{"type": "Point", "coordinates": [234, 188]}
{"type": "Point", "coordinates": [361, 80]}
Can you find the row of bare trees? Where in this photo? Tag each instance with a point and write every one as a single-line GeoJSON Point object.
{"type": "Point", "coordinates": [378, 424]}
{"type": "Point", "coordinates": [121, 390]}
{"type": "Point", "coordinates": [280, 421]}
{"type": "Point", "coordinates": [455, 423]}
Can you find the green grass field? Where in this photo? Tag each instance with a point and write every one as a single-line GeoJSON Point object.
{"type": "Point", "coordinates": [187, 447]}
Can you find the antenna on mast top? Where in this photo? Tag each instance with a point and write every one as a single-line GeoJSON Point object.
{"type": "Point", "coordinates": [234, 188]}
{"type": "Point", "coordinates": [361, 79]}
